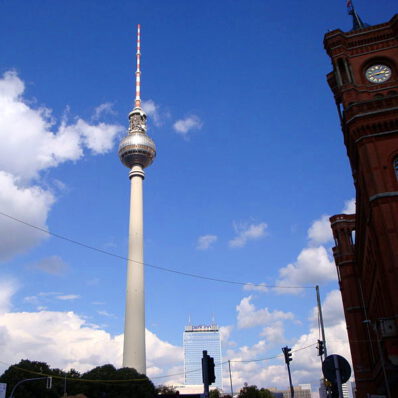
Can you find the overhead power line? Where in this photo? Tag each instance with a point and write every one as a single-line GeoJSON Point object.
{"type": "Point", "coordinates": [198, 276]}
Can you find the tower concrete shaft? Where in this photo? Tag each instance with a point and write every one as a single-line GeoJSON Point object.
{"type": "Point", "coordinates": [134, 327]}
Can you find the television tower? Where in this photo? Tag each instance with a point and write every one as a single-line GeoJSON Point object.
{"type": "Point", "coordinates": [136, 151]}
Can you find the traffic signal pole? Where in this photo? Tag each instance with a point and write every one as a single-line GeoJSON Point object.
{"type": "Point", "coordinates": [318, 299]}
{"type": "Point", "coordinates": [338, 376]}
{"type": "Point", "coordinates": [205, 374]}
{"type": "Point", "coordinates": [288, 358]}
{"type": "Point", "coordinates": [290, 381]}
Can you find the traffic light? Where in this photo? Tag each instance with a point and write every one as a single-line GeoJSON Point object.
{"type": "Point", "coordinates": [321, 348]}
{"type": "Point", "coordinates": [210, 370]}
{"type": "Point", "coordinates": [49, 382]}
{"type": "Point", "coordinates": [287, 353]}
{"type": "Point", "coordinates": [208, 373]}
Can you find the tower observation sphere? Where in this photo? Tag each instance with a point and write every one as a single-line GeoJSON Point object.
{"type": "Point", "coordinates": [137, 148]}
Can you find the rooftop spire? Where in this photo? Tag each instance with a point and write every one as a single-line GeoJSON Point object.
{"type": "Point", "coordinates": [357, 22]}
{"type": "Point", "coordinates": [138, 71]}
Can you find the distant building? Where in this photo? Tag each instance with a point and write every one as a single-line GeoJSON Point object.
{"type": "Point", "coordinates": [305, 386]}
{"type": "Point", "coordinates": [196, 340]}
{"type": "Point", "coordinates": [353, 390]}
{"type": "Point", "coordinates": [299, 392]}
{"type": "Point", "coordinates": [348, 390]}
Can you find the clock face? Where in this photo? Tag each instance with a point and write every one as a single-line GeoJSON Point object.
{"type": "Point", "coordinates": [378, 73]}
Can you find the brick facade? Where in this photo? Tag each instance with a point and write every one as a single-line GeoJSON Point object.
{"type": "Point", "coordinates": [366, 251]}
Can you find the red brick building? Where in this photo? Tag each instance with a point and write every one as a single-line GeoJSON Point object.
{"type": "Point", "coordinates": [364, 82]}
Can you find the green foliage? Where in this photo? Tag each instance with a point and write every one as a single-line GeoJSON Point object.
{"type": "Point", "coordinates": [215, 393]}
{"type": "Point", "coordinates": [100, 383]}
{"type": "Point", "coordinates": [137, 386]}
{"type": "Point", "coordinates": [165, 390]}
{"type": "Point", "coordinates": [26, 369]}
{"type": "Point", "coordinates": [253, 392]}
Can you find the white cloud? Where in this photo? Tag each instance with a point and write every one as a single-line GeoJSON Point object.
{"type": "Point", "coordinates": [161, 352]}
{"type": "Point", "coordinates": [205, 242]}
{"type": "Point", "coordinates": [184, 126]}
{"type": "Point", "coordinates": [31, 143]}
{"type": "Point", "coordinates": [350, 206]}
{"type": "Point", "coordinates": [248, 316]}
{"type": "Point", "coordinates": [31, 204]}
{"type": "Point", "coordinates": [103, 109]}
{"type": "Point", "coordinates": [53, 265]}
{"type": "Point", "coordinates": [65, 340]}
{"type": "Point", "coordinates": [320, 231]}
{"type": "Point", "coordinates": [153, 112]}
{"type": "Point", "coordinates": [256, 288]}
{"type": "Point", "coordinates": [332, 310]}
{"type": "Point", "coordinates": [306, 364]}
{"type": "Point", "coordinates": [98, 138]}
{"type": "Point", "coordinates": [247, 232]}
{"type": "Point", "coordinates": [8, 287]}
{"type": "Point", "coordinates": [66, 297]}
{"type": "Point", "coordinates": [225, 333]}
{"type": "Point", "coordinates": [274, 333]}
{"type": "Point", "coordinates": [313, 266]}
{"type": "Point", "coordinates": [106, 313]}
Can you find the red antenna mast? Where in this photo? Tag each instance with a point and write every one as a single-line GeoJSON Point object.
{"type": "Point", "coordinates": [138, 71]}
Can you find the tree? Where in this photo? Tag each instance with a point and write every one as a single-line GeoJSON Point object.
{"type": "Point", "coordinates": [106, 383]}
{"type": "Point", "coordinates": [253, 392]}
{"type": "Point", "coordinates": [165, 390]}
{"type": "Point", "coordinates": [26, 369]}
{"type": "Point", "coordinates": [265, 393]}
{"type": "Point", "coordinates": [215, 393]}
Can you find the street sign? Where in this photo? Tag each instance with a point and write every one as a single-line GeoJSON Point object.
{"type": "Point", "coordinates": [3, 388]}
{"type": "Point", "coordinates": [330, 371]}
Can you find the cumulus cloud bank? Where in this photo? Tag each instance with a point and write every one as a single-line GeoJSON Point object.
{"type": "Point", "coordinates": [66, 340]}
{"type": "Point", "coordinates": [31, 143]}
{"type": "Point", "coordinates": [248, 316]}
{"type": "Point", "coordinates": [306, 367]}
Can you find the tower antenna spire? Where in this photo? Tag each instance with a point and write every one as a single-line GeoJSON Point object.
{"type": "Point", "coordinates": [138, 71]}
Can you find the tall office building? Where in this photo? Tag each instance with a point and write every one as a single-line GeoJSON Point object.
{"type": "Point", "coordinates": [136, 151]}
{"type": "Point", "coordinates": [196, 340]}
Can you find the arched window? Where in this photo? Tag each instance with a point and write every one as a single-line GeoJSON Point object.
{"type": "Point", "coordinates": [396, 166]}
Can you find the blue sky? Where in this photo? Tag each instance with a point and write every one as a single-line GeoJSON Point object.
{"type": "Point", "coordinates": [250, 162]}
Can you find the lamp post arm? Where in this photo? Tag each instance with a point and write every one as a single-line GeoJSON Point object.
{"type": "Point", "coordinates": [23, 381]}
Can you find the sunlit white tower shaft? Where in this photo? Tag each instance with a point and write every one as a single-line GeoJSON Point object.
{"type": "Point", "coordinates": [136, 151]}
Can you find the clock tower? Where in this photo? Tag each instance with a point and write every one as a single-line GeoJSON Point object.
{"type": "Point", "coordinates": [364, 82]}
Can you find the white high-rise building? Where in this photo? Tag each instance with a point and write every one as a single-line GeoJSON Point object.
{"type": "Point", "coordinates": [346, 387]}
{"type": "Point", "coordinates": [196, 340]}
{"type": "Point", "coordinates": [136, 151]}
